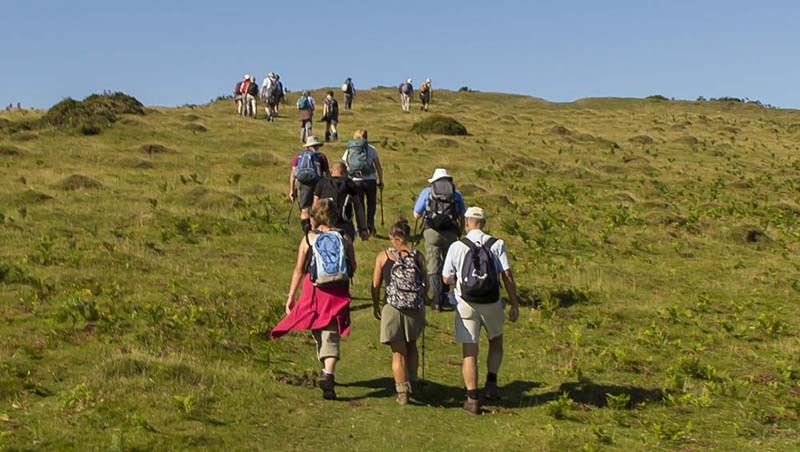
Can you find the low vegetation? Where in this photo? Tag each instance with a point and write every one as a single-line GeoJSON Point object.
{"type": "Point", "coordinates": [655, 245]}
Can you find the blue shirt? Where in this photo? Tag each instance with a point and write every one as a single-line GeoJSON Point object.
{"type": "Point", "coordinates": [422, 200]}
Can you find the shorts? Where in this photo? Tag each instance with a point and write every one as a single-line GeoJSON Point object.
{"type": "Point", "coordinates": [305, 195]}
{"type": "Point", "coordinates": [401, 325]}
{"type": "Point", "coordinates": [471, 316]}
{"type": "Point", "coordinates": [327, 340]}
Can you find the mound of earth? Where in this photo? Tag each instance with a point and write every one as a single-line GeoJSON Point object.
{"type": "Point", "coordinates": [259, 159]}
{"type": "Point", "coordinates": [444, 143]}
{"type": "Point", "coordinates": [154, 148]}
{"type": "Point", "coordinates": [642, 139]}
{"type": "Point", "coordinates": [688, 140]}
{"type": "Point", "coordinates": [78, 182]}
{"type": "Point", "coordinates": [10, 150]}
{"type": "Point", "coordinates": [91, 115]}
{"type": "Point", "coordinates": [196, 128]}
{"type": "Point", "coordinates": [205, 198]}
{"type": "Point", "coordinates": [441, 125]}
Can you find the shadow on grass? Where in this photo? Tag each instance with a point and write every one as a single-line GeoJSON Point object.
{"type": "Point", "coordinates": [563, 297]}
{"type": "Point", "coordinates": [584, 393]}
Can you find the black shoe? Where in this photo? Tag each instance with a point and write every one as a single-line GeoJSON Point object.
{"type": "Point", "coordinates": [490, 391]}
{"type": "Point", "coordinates": [326, 383]}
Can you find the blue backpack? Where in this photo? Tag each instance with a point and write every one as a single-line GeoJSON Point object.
{"type": "Point", "coordinates": [302, 103]}
{"type": "Point", "coordinates": [328, 263]}
{"type": "Point", "coordinates": [307, 170]}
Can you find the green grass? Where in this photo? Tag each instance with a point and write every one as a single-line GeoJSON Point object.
{"type": "Point", "coordinates": [142, 268]}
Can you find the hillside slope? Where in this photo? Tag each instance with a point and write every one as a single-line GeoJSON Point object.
{"type": "Point", "coordinates": [142, 268]}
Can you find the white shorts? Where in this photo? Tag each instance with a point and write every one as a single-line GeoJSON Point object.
{"type": "Point", "coordinates": [471, 316]}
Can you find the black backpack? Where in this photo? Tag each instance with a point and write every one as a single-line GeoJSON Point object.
{"type": "Point", "coordinates": [274, 93]}
{"type": "Point", "coordinates": [252, 90]}
{"type": "Point", "coordinates": [441, 209]}
{"type": "Point", "coordinates": [479, 281]}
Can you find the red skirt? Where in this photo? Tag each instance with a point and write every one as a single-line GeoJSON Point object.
{"type": "Point", "coordinates": [316, 308]}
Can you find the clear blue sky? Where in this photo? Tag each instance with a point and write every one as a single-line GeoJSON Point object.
{"type": "Point", "coordinates": [176, 52]}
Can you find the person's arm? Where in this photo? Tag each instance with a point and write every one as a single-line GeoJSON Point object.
{"type": "Point", "coordinates": [419, 206]}
{"type": "Point", "coordinates": [511, 288]}
{"type": "Point", "coordinates": [377, 280]}
{"type": "Point", "coordinates": [378, 169]}
{"type": "Point", "coordinates": [297, 274]}
{"type": "Point", "coordinates": [291, 183]}
{"type": "Point", "coordinates": [449, 268]}
{"type": "Point", "coordinates": [351, 253]}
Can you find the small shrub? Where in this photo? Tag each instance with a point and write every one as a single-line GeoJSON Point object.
{"type": "Point", "coordinates": [91, 115]}
{"type": "Point", "coordinates": [558, 408]}
{"type": "Point", "coordinates": [657, 97]}
{"type": "Point", "coordinates": [438, 124]}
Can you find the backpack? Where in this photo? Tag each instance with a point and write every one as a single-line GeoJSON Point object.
{"type": "Point", "coordinates": [404, 289]}
{"type": "Point", "coordinates": [328, 263]}
{"type": "Point", "coordinates": [333, 108]}
{"type": "Point", "coordinates": [424, 86]}
{"type": "Point", "coordinates": [441, 208]}
{"type": "Point", "coordinates": [303, 103]}
{"type": "Point", "coordinates": [307, 170]}
{"type": "Point", "coordinates": [346, 88]}
{"type": "Point", "coordinates": [479, 281]}
{"type": "Point", "coordinates": [274, 91]}
{"type": "Point", "coordinates": [406, 88]}
{"type": "Point", "coordinates": [237, 90]}
{"type": "Point", "coordinates": [252, 90]}
{"type": "Point", "coordinates": [359, 164]}
{"type": "Point", "coordinates": [339, 195]}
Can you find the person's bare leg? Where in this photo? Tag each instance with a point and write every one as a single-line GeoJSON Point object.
{"type": "Point", "coordinates": [495, 357]}
{"type": "Point", "coordinates": [399, 370]}
{"type": "Point", "coordinates": [469, 367]}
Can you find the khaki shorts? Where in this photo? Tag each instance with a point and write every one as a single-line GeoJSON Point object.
{"type": "Point", "coordinates": [471, 316]}
{"type": "Point", "coordinates": [327, 342]}
{"type": "Point", "coordinates": [401, 326]}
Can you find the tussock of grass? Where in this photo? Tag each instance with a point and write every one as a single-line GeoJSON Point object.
{"type": "Point", "coordinates": [79, 182]}
{"type": "Point", "coordinates": [444, 143]}
{"type": "Point", "coordinates": [31, 196]}
{"type": "Point", "coordinates": [24, 136]}
{"type": "Point", "coordinates": [687, 140]}
{"type": "Point", "coordinates": [205, 198]}
{"type": "Point", "coordinates": [259, 159]}
{"type": "Point", "coordinates": [196, 128]}
{"type": "Point", "coordinates": [10, 150]}
{"type": "Point", "coordinates": [439, 124]}
{"type": "Point", "coordinates": [642, 139]}
{"type": "Point", "coordinates": [155, 148]}
{"type": "Point", "coordinates": [91, 115]}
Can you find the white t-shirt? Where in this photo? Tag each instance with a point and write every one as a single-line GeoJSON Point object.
{"type": "Point", "coordinates": [457, 251]}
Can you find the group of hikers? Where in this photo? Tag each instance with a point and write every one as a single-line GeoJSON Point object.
{"type": "Point", "coordinates": [272, 93]}
{"type": "Point", "coordinates": [461, 266]}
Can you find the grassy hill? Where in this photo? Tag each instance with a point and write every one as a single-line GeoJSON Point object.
{"type": "Point", "coordinates": [656, 244]}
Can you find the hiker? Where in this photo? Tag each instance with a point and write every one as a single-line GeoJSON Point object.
{"type": "Point", "coordinates": [240, 93]}
{"type": "Point", "coordinates": [365, 169]}
{"type": "Point", "coordinates": [325, 262]}
{"type": "Point", "coordinates": [251, 98]}
{"type": "Point", "coordinates": [441, 208]}
{"type": "Point", "coordinates": [402, 317]}
{"type": "Point", "coordinates": [270, 95]}
{"type": "Point", "coordinates": [342, 191]}
{"type": "Point", "coordinates": [305, 106]}
{"type": "Point", "coordinates": [349, 92]}
{"type": "Point", "coordinates": [406, 91]}
{"type": "Point", "coordinates": [308, 166]}
{"type": "Point", "coordinates": [330, 114]}
{"type": "Point", "coordinates": [425, 94]}
{"type": "Point", "coordinates": [281, 93]}
{"type": "Point", "coordinates": [473, 265]}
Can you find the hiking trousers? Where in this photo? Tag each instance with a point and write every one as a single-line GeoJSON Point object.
{"type": "Point", "coordinates": [436, 245]}
{"type": "Point", "coordinates": [405, 100]}
{"type": "Point", "coordinates": [305, 129]}
{"type": "Point", "coordinates": [368, 194]}
{"type": "Point", "coordinates": [348, 101]}
{"type": "Point", "coordinates": [250, 105]}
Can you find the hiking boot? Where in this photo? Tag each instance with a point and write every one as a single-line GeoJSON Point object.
{"type": "Point", "coordinates": [472, 406]}
{"type": "Point", "coordinates": [403, 391]}
{"type": "Point", "coordinates": [490, 391]}
{"type": "Point", "coordinates": [326, 383]}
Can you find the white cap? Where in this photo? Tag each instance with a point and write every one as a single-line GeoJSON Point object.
{"type": "Point", "coordinates": [439, 173]}
{"type": "Point", "coordinates": [476, 213]}
{"type": "Point", "coordinates": [408, 81]}
{"type": "Point", "coordinates": [247, 76]}
{"type": "Point", "coordinates": [428, 80]}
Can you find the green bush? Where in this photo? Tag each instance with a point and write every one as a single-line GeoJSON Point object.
{"type": "Point", "coordinates": [442, 125]}
{"type": "Point", "coordinates": [91, 115]}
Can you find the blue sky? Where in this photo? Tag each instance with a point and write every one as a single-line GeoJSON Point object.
{"type": "Point", "coordinates": [177, 52]}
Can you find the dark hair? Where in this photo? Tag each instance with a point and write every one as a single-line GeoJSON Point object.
{"type": "Point", "coordinates": [400, 230]}
{"type": "Point", "coordinates": [330, 93]}
{"type": "Point", "coordinates": [324, 212]}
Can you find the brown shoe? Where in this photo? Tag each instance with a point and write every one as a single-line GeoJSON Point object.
{"type": "Point", "coordinates": [327, 383]}
{"type": "Point", "coordinates": [402, 398]}
{"type": "Point", "coordinates": [472, 406]}
{"type": "Point", "coordinates": [490, 391]}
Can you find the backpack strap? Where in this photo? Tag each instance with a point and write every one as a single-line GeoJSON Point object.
{"type": "Point", "coordinates": [470, 244]}
{"type": "Point", "coordinates": [489, 243]}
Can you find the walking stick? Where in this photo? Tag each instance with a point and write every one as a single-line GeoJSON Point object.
{"type": "Point", "coordinates": [423, 354]}
{"type": "Point", "coordinates": [291, 207]}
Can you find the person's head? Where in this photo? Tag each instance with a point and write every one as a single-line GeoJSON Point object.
{"type": "Point", "coordinates": [349, 79]}
{"type": "Point", "coordinates": [306, 92]}
{"type": "Point", "coordinates": [439, 173]}
{"type": "Point", "coordinates": [400, 231]}
{"type": "Point", "coordinates": [360, 133]}
{"type": "Point", "coordinates": [408, 81]}
{"type": "Point", "coordinates": [271, 75]}
{"type": "Point", "coordinates": [252, 78]}
{"type": "Point", "coordinates": [323, 213]}
{"type": "Point", "coordinates": [339, 169]}
{"type": "Point", "coordinates": [246, 77]}
{"type": "Point", "coordinates": [427, 80]}
{"type": "Point", "coordinates": [474, 218]}
{"type": "Point", "coordinates": [313, 142]}
{"type": "Point", "coordinates": [330, 93]}
{"type": "Point", "coordinates": [277, 77]}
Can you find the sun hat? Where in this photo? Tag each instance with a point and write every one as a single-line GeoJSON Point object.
{"type": "Point", "coordinates": [247, 76]}
{"type": "Point", "coordinates": [313, 141]}
{"type": "Point", "coordinates": [428, 80]}
{"type": "Point", "coordinates": [476, 213]}
{"type": "Point", "coordinates": [439, 173]}
{"type": "Point", "coordinates": [408, 81]}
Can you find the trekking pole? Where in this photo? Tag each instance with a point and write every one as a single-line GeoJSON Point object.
{"type": "Point", "coordinates": [423, 354]}
{"type": "Point", "coordinates": [416, 227]}
{"type": "Point", "coordinates": [291, 207]}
